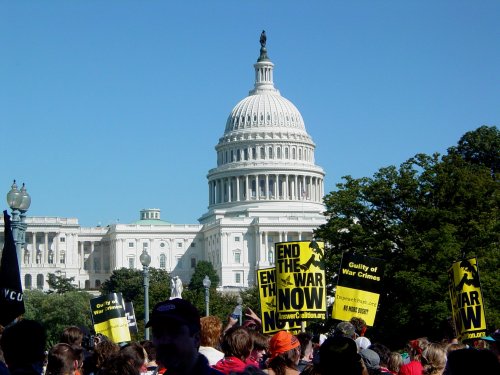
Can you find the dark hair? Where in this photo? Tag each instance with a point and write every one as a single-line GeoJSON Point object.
{"type": "Point", "coordinates": [383, 352]}
{"type": "Point", "coordinates": [23, 344]}
{"type": "Point", "coordinates": [72, 335]}
{"type": "Point", "coordinates": [359, 325]}
{"type": "Point", "coordinates": [150, 349]}
{"type": "Point", "coordinates": [260, 341]}
{"type": "Point", "coordinates": [472, 361]}
{"type": "Point", "coordinates": [339, 354]}
{"type": "Point", "coordinates": [134, 353]}
{"type": "Point", "coordinates": [103, 350]}
{"type": "Point", "coordinates": [284, 360]}
{"type": "Point", "coordinates": [304, 338]}
{"type": "Point", "coordinates": [118, 365]}
{"type": "Point", "coordinates": [62, 357]}
{"type": "Point", "coordinates": [237, 342]}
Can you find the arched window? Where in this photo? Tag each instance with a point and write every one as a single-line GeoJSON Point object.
{"type": "Point", "coordinates": [278, 153]}
{"type": "Point", "coordinates": [271, 155]}
{"type": "Point", "coordinates": [245, 152]}
{"type": "Point", "coordinates": [293, 153]}
{"type": "Point", "coordinates": [163, 261]}
{"type": "Point", "coordinates": [39, 281]}
{"type": "Point", "coordinates": [27, 281]}
{"type": "Point", "coordinates": [286, 153]}
{"type": "Point", "coordinates": [262, 153]}
{"type": "Point", "coordinates": [254, 153]}
{"type": "Point", "coordinates": [300, 154]}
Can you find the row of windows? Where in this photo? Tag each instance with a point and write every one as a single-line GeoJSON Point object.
{"type": "Point", "coordinates": [246, 154]}
{"type": "Point", "coordinates": [248, 120]}
{"type": "Point", "coordinates": [145, 245]}
{"type": "Point", "coordinates": [38, 258]}
{"type": "Point", "coordinates": [163, 262]}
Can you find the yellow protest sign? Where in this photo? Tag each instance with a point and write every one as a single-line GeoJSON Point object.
{"type": "Point", "coordinates": [358, 290]}
{"type": "Point", "coordinates": [300, 280]}
{"type": "Point", "coordinates": [266, 280]}
{"type": "Point", "coordinates": [109, 317]}
{"type": "Point", "coordinates": [467, 299]}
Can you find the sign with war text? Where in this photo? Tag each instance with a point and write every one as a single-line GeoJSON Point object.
{"type": "Point", "coordinates": [300, 281]}
{"type": "Point", "coordinates": [359, 286]}
{"type": "Point", "coordinates": [109, 317]}
{"type": "Point", "coordinates": [466, 299]}
{"type": "Point", "coordinates": [266, 281]}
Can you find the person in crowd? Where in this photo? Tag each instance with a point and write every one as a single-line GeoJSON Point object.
{"type": "Point", "coordinates": [471, 361]}
{"type": "Point", "coordinates": [23, 345]}
{"type": "Point", "coordinates": [64, 359]}
{"type": "Point", "coordinates": [102, 351]}
{"type": "Point", "coordinates": [415, 348]}
{"type": "Point", "coordinates": [394, 363]}
{"type": "Point", "coordinates": [237, 345]}
{"type": "Point", "coordinates": [211, 329]}
{"type": "Point", "coordinates": [118, 365]}
{"type": "Point", "coordinates": [284, 354]}
{"type": "Point", "coordinates": [136, 355]}
{"type": "Point", "coordinates": [434, 359]}
{"type": "Point", "coordinates": [384, 354]}
{"type": "Point", "coordinates": [371, 360]}
{"type": "Point", "coordinates": [339, 355]}
{"type": "Point", "coordinates": [360, 328]}
{"type": "Point", "coordinates": [151, 365]}
{"type": "Point", "coordinates": [306, 350]}
{"type": "Point", "coordinates": [72, 335]}
{"type": "Point", "coordinates": [259, 350]}
{"type": "Point", "coordinates": [492, 342]}
{"type": "Point", "coordinates": [176, 329]}
{"type": "Point", "coordinates": [454, 346]}
{"type": "Point", "coordinates": [345, 329]}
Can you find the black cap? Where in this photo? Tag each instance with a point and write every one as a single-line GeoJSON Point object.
{"type": "Point", "coordinates": [176, 309]}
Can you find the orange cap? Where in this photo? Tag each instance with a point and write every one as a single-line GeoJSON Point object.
{"type": "Point", "coordinates": [282, 342]}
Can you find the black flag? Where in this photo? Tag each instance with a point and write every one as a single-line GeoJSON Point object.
{"type": "Point", "coordinates": [11, 290]}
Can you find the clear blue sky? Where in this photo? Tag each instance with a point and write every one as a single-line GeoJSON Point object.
{"type": "Point", "coordinates": [108, 107]}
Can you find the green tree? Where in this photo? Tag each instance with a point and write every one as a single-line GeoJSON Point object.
{"type": "Point", "coordinates": [60, 284]}
{"type": "Point", "coordinates": [57, 311]}
{"type": "Point", "coordinates": [202, 269]}
{"type": "Point", "coordinates": [419, 218]}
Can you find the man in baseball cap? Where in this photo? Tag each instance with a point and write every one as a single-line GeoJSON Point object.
{"type": "Point", "coordinates": [176, 335]}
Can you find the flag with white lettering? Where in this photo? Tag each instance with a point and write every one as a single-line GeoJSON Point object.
{"type": "Point", "coordinates": [11, 290]}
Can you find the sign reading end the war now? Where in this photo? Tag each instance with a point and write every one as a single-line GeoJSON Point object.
{"type": "Point", "coordinates": [466, 299]}
{"type": "Point", "coordinates": [300, 280]}
{"type": "Point", "coordinates": [358, 289]}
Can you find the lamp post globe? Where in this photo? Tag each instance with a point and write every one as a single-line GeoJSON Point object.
{"type": "Point", "coordinates": [19, 201]}
{"type": "Point", "coordinates": [206, 283]}
{"type": "Point", "coordinates": [145, 259]}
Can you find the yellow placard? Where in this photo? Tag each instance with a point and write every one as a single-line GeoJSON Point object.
{"type": "Point", "coordinates": [115, 329]}
{"type": "Point", "coordinates": [467, 299]}
{"type": "Point", "coordinates": [351, 303]}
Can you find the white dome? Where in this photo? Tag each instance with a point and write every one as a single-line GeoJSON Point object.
{"type": "Point", "coordinates": [268, 109]}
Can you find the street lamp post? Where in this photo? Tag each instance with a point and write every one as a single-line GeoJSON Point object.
{"type": "Point", "coordinates": [19, 201]}
{"type": "Point", "coordinates": [146, 261]}
{"type": "Point", "coordinates": [206, 284]}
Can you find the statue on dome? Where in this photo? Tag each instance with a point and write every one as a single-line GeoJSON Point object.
{"type": "Point", "coordinates": [263, 38]}
{"type": "Point", "coordinates": [176, 287]}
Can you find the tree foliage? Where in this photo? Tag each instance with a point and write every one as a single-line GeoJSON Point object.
{"type": "Point", "coordinates": [60, 284]}
{"type": "Point", "coordinates": [202, 269]}
{"type": "Point", "coordinates": [420, 218]}
{"type": "Point", "coordinates": [57, 311]}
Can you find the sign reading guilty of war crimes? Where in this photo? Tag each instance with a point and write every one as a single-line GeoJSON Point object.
{"type": "Point", "coordinates": [358, 289]}
{"type": "Point", "coordinates": [266, 280]}
{"type": "Point", "coordinates": [466, 299]}
{"type": "Point", "coordinates": [109, 317]}
{"type": "Point", "coordinates": [300, 280]}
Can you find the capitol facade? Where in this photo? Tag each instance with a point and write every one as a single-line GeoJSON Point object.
{"type": "Point", "coordinates": [264, 189]}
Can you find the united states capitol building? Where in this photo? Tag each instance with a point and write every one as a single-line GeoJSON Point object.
{"type": "Point", "coordinates": [265, 187]}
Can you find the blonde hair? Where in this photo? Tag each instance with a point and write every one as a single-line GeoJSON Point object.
{"type": "Point", "coordinates": [434, 359]}
{"type": "Point", "coordinates": [394, 362]}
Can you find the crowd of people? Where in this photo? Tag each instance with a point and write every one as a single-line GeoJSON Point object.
{"type": "Point", "coordinates": [183, 343]}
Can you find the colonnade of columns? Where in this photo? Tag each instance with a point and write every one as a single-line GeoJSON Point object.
{"type": "Point", "coordinates": [265, 246]}
{"type": "Point", "coordinates": [43, 249]}
{"type": "Point", "coordinates": [265, 187]}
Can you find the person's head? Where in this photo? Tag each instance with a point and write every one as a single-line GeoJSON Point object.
{"type": "Point", "coordinates": [395, 362]}
{"type": "Point", "coordinates": [135, 354]}
{"type": "Point", "coordinates": [306, 346]}
{"type": "Point", "coordinates": [237, 342]}
{"type": "Point", "coordinates": [150, 350]}
{"type": "Point", "coordinates": [339, 354]}
{"type": "Point", "coordinates": [23, 344]}
{"type": "Point", "coordinates": [284, 351]}
{"type": "Point", "coordinates": [383, 352]}
{"type": "Point", "coordinates": [345, 329]}
{"type": "Point", "coordinates": [359, 325]}
{"type": "Point", "coordinates": [260, 345]}
{"type": "Point", "coordinates": [72, 335]}
{"type": "Point", "coordinates": [176, 328]}
{"type": "Point", "coordinates": [416, 348]}
{"type": "Point", "coordinates": [103, 350]}
{"type": "Point", "coordinates": [471, 361]}
{"type": "Point", "coordinates": [371, 360]}
{"type": "Point", "coordinates": [433, 359]}
{"type": "Point", "coordinates": [211, 328]}
{"type": "Point", "coordinates": [454, 346]}
{"type": "Point", "coordinates": [118, 365]}
{"type": "Point", "coordinates": [64, 359]}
